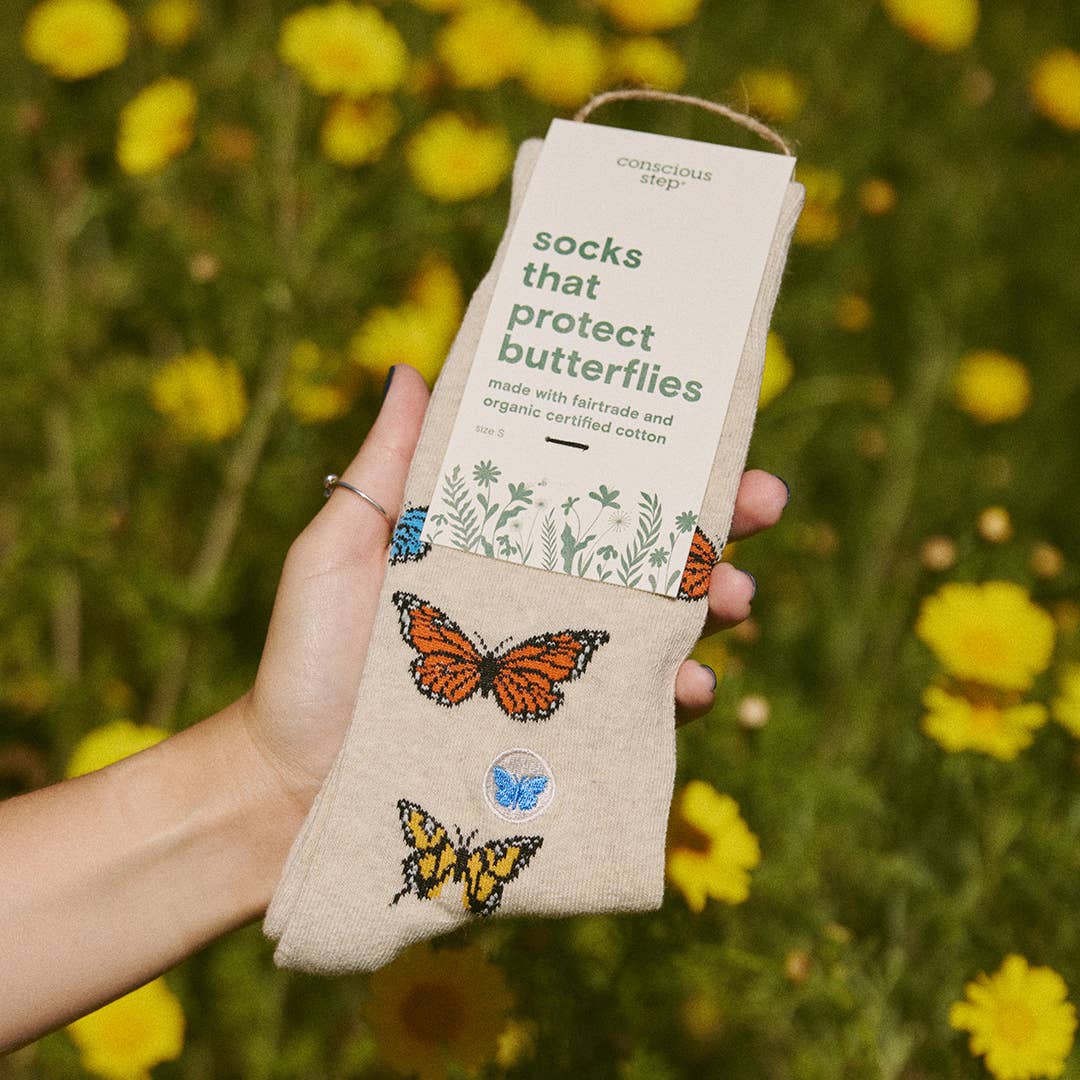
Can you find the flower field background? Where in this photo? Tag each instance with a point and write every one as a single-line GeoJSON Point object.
{"type": "Point", "coordinates": [223, 221]}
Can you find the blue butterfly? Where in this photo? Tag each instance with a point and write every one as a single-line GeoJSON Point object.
{"type": "Point", "coordinates": [405, 544]}
{"type": "Point", "coordinates": [518, 792]}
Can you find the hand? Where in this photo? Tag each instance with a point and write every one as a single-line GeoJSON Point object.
{"type": "Point", "coordinates": [306, 687]}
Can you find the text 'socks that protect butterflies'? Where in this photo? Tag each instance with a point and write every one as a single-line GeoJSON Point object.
{"type": "Point", "coordinates": [525, 680]}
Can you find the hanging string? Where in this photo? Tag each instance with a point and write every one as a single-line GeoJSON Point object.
{"type": "Point", "coordinates": [742, 119]}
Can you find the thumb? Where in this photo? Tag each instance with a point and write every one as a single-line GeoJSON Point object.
{"type": "Point", "coordinates": [382, 463]}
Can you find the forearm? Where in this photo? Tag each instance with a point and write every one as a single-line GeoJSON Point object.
{"type": "Point", "coordinates": [109, 879]}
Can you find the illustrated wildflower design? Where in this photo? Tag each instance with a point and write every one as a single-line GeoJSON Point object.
{"type": "Point", "coordinates": [710, 849]}
{"type": "Point", "coordinates": [1019, 1019]}
{"type": "Point", "coordinates": [990, 633]}
{"type": "Point", "coordinates": [202, 396]}
{"type": "Point", "coordinates": [156, 126]}
{"type": "Point", "coordinates": [125, 1039]}
{"type": "Point", "coordinates": [111, 742]}
{"type": "Point", "coordinates": [74, 39]}
{"type": "Point", "coordinates": [431, 1008]}
{"type": "Point", "coordinates": [991, 387]}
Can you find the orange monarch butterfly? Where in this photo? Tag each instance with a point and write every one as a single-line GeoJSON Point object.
{"type": "Point", "coordinates": [699, 565]}
{"type": "Point", "coordinates": [524, 679]}
{"type": "Point", "coordinates": [434, 859]}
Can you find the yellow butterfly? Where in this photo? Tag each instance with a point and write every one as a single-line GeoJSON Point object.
{"type": "Point", "coordinates": [434, 859]}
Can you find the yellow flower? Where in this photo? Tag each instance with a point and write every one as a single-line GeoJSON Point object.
{"type": "Point", "coordinates": [853, 313]}
{"type": "Point", "coordinates": [341, 48]}
{"type": "Point", "coordinates": [645, 16]}
{"type": "Point", "coordinates": [356, 132]}
{"type": "Point", "coordinates": [201, 395]}
{"type": "Point", "coordinates": [111, 742]}
{"type": "Point", "coordinates": [990, 633]}
{"type": "Point", "coordinates": [314, 390]}
{"type": "Point", "coordinates": [877, 196]}
{"type": "Point", "coordinates": [1066, 705]}
{"type": "Point", "coordinates": [566, 66]}
{"type": "Point", "coordinates": [155, 126]}
{"type": "Point", "coordinates": [773, 93]}
{"type": "Point", "coordinates": [1055, 87]}
{"type": "Point", "coordinates": [778, 370]}
{"type": "Point", "coordinates": [432, 1006]}
{"type": "Point", "coordinates": [646, 61]}
{"type": "Point", "coordinates": [487, 42]}
{"type": "Point", "coordinates": [172, 22]}
{"type": "Point", "coordinates": [819, 222]}
{"type": "Point", "coordinates": [991, 387]}
{"type": "Point", "coordinates": [710, 848]}
{"type": "Point", "coordinates": [437, 291]}
{"type": "Point", "coordinates": [442, 7]}
{"type": "Point", "coordinates": [125, 1039]}
{"type": "Point", "coordinates": [944, 25]}
{"type": "Point", "coordinates": [1019, 1018]}
{"type": "Point", "coordinates": [76, 38]}
{"type": "Point", "coordinates": [452, 159]}
{"type": "Point", "coordinates": [516, 1045]}
{"type": "Point", "coordinates": [959, 723]}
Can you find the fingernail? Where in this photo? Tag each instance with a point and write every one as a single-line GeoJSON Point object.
{"type": "Point", "coordinates": [389, 376]}
{"type": "Point", "coordinates": [753, 581]}
{"type": "Point", "coordinates": [787, 486]}
{"type": "Point", "coordinates": [712, 673]}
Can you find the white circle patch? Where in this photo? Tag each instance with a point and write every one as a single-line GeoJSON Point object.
{"type": "Point", "coordinates": [518, 785]}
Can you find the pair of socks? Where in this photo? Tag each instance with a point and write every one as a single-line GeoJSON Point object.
{"type": "Point", "coordinates": [534, 777]}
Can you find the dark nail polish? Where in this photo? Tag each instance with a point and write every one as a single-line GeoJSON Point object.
{"type": "Point", "coordinates": [753, 581]}
{"type": "Point", "coordinates": [712, 673]}
{"type": "Point", "coordinates": [389, 376]}
{"type": "Point", "coordinates": [787, 486]}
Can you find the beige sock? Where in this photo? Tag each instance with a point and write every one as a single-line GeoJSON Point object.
{"type": "Point", "coordinates": [460, 792]}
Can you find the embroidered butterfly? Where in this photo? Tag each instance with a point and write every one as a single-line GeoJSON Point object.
{"type": "Point", "coordinates": [434, 859]}
{"type": "Point", "coordinates": [524, 679]}
{"type": "Point", "coordinates": [699, 564]}
{"type": "Point", "coordinates": [405, 544]}
{"type": "Point", "coordinates": [517, 792]}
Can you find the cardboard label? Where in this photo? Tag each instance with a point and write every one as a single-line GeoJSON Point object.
{"type": "Point", "coordinates": [593, 408]}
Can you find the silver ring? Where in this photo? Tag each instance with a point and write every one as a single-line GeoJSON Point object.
{"type": "Point", "coordinates": [330, 482]}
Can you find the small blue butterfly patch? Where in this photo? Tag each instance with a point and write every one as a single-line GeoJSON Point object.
{"type": "Point", "coordinates": [518, 792]}
{"type": "Point", "coordinates": [405, 544]}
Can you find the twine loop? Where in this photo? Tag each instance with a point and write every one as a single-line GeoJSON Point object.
{"type": "Point", "coordinates": [751, 123]}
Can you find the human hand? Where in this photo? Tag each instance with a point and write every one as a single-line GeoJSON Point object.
{"type": "Point", "coordinates": [303, 698]}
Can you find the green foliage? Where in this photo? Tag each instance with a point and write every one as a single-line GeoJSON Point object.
{"type": "Point", "coordinates": [892, 872]}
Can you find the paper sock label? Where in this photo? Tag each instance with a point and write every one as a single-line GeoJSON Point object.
{"type": "Point", "coordinates": [593, 408]}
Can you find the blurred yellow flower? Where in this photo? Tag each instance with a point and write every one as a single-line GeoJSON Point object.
{"type": "Point", "coordinates": [710, 848]}
{"type": "Point", "coordinates": [172, 22]}
{"type": "Point", "coordinates": [442, 7]}
{"type": "Point", "coordinates": [645, 61]}
{"type": "Point", "coordinates": [1066, 706]}
{"type": "Point", "coordinates": [516, 1044]}
{"type": "Point", "coordinates": [356, 132]}
{"type": "Point", "coordinates": [433, 1007]}
{"type": "Point", "coordinates": [990, 633]}
{"type": "Point", "coordinates": [452, 159]}
{"type": "Point", "coordinates": [202, 397]}
{"type": "Point", "coordinates": [125, 1039]}
{"type": "Point", "coordinates": [314, 389]}
{"type": "Point", "coordinates": [819, 222]}
{"type": "Point", "coordinates": [1055, 87]}
{"type": "Point", "coordinates": [853, 313]}
{"type": "Point", "coordinates": [877, 196]}
{"type": "Point", "coordinates": [111, 742]}
{"type": "Point", "coordinates": [960, 723]}
{"type": "Point", "coordinates": [342, 48]}
{"type": "Point", "coordinates": [487, 42]}
{"type": "Point", "coordinates": [156, 125]}
{"type": "Point", "coordinates": [991, 387]}
{"type": "Point", "coordinates": [944, 25]}
{"type": "Point", "coordinates": [565, 67]}
{"type": "Point", "coordinates": [1019, 1018]}
{"type": "Point", "coordinates": [436, 288]}
{"type": "Point", "coordinates": [773, 93]}
{"type": "Point", "coordinates": [778, 370]}
{"type": "Point", "coordinates": [645, 16]}
{"type": "Point", "coordinates": [76, 38]}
